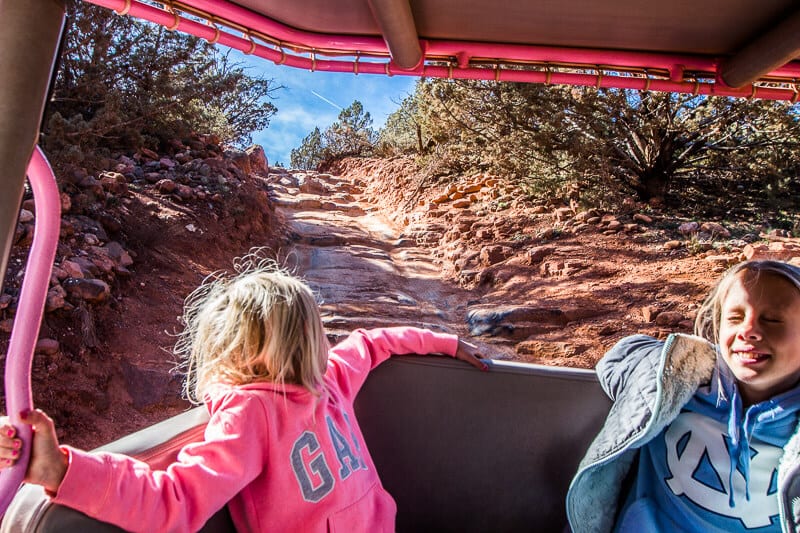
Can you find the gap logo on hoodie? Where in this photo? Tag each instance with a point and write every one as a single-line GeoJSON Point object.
{"type": "Point", "coordinates": [315, 476]}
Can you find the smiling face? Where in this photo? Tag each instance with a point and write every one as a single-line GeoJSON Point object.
{"type": "Point", "coordinates": [759, 334]}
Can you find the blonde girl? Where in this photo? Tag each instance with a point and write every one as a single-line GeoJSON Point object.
{"type": "Point", "coordinates": [282, 448]}
{"type": "Point", "coordinates": [703, 433]}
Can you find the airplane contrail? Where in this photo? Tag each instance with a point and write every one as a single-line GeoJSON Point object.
{"type": "Point", "coordinates": [326, 100]}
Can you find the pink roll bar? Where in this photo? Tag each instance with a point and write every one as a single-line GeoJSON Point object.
{"type": "Point", "coordinates": [458, 59]}
{"type": "Point", "coordinates": [29, 315]}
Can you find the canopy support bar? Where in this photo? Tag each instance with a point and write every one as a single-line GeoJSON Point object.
{"type": "Point", "coordinates": [396, 23]}
{"type": "Point", "coordinates": [768, 52]}
{"type": "Point", "coordinates": [27, 58]}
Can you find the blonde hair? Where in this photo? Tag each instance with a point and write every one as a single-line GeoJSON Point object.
{"type": "Point", "coordinates": [708, 318]}
{"type": "Point", "coordinates": [261, 324]}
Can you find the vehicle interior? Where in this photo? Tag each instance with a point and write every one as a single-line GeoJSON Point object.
{"type": "Point", "coordinates": [505, 463]}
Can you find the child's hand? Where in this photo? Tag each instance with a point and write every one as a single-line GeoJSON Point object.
{"type": "Point", "coordinates": [48, 464]}
{"type": "Point", "coordinates": [469, 352]}
{"type": "Point", "coordinates": [10, 446]}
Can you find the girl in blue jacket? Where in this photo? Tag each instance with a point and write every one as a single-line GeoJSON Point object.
{"type": "Point", "coordinates": [703, 432]}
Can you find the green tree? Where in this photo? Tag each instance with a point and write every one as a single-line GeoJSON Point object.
{"type": "Point", "coordinates": [651, 140]}
{"type": "Point", "coordinates": [242, 100]}
{"type": "Point", "coordinates": [404, 129]}
{"type": "Point", "coordinates": [352, 133]}
{"type": "Point", "coordinates": [310, 153]}
{"type": "Point", "coordinates": [503, 127]}
{"type": "Point", "coordinates": [124, 83]}
{"type": "Point", "coordinates": [611, 142]}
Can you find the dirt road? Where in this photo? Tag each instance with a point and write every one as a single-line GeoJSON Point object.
{"type": "Point", "coordinates": [366, 271]}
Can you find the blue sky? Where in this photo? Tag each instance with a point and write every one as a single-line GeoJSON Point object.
{"type": "Point", "coordinates": [314, 99]}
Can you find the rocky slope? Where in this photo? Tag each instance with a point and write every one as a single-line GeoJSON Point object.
{"type": "Point", "coordinates": [555, 283]}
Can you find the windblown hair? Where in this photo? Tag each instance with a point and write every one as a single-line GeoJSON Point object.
{"type": "Point", "coordinates": [261, 324]}
{"type": "Point", "coordinates": [709, 315]}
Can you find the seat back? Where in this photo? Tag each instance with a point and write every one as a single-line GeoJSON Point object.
{"type": "Point", "coordinates": [460, 450]}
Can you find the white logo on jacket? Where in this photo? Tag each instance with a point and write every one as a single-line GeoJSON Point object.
{"type": "Point", "coordinates": [698, 457]}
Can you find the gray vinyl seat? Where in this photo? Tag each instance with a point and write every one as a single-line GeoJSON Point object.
{"type": "Point", "coordinates": [460, 450]}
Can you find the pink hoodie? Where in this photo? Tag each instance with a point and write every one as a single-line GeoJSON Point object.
{"type": "Point", "coordinates": [281, 458]}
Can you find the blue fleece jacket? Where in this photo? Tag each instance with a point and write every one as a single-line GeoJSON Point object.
{"type": "Point", "coordinates": [675, 393]}
{"type": "Point", "coordinates": [715, 467]}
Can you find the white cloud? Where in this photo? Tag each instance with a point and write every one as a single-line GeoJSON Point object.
{"type": "Point", "coordinates": [296, 116]}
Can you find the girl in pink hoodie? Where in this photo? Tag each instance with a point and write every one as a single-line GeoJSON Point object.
{"type": "Point", "coordinates": [282, 448]}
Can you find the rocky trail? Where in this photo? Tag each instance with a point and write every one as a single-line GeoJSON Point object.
{"type": "Point", "coordinates": [366, 271]}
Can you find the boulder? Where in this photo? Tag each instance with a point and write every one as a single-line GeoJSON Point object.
{"type": "Point", "coordinates": [258, 159]}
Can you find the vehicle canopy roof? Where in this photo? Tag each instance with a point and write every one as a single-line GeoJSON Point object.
{"type": "Point", "coordinates": [721, 47]}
